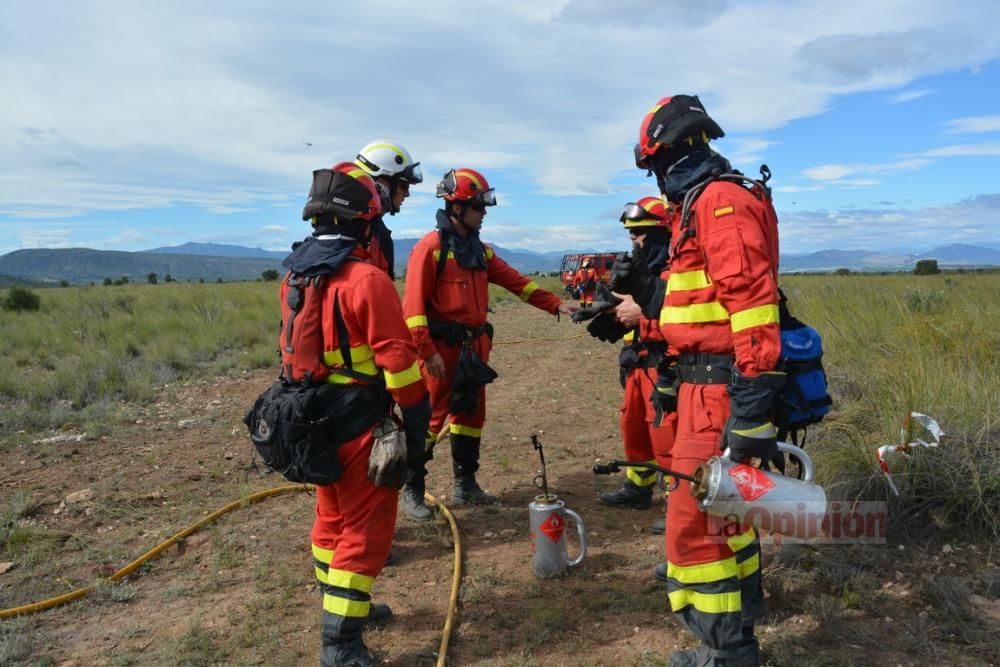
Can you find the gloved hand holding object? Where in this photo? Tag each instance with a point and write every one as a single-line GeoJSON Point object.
{"type": "Point", "coordinates": [630, 275]}
{"type": "Point", "coordinates": [604, 301]}
{"type": "Point", "coordinates": [607, 328]}
{"type": "Point", "coordinates": [387, 461]}
{"type": "Point", "coordinates": [749, 432]}
{"type": "Point", "coordinates": [416, 421]}
{"type": "Point", "coordinates": [665, 393]}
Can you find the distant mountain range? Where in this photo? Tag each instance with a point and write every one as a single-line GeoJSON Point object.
{"type": "Point", "coordinates": [212, 261]}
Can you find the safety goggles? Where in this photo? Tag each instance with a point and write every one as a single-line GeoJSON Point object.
{"type": "Point", "coordinates": [412, 174]}
{"type": "Point", "coordinates": [634, 214]}
{"type": "Point", "coordinates": [449, 185]}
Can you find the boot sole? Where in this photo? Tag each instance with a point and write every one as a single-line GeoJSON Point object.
{"type": "Point", "coordinates": [628, 506]}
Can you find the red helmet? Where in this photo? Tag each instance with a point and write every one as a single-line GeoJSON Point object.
{"type": "Point", "coordinates": [466, 185]}
{"type": "Point", "coordinates": [344, 190]}
{"type": "Point", "coordinates": [587, 263]}
{"type": "Point", "coordinates": [680, 118]}
{"type": "Point", "coordinates": [647, 212]}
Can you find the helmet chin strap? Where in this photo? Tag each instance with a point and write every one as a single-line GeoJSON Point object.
{"type": "Point", "coordinates": [385, 193]}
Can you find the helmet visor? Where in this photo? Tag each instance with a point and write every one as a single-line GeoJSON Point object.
{"type": "Point", "coordinates": [448, 185]}
{"type": "Point", "coordinates": [487, 197]}
{"type": "Point", "coordinates": [412, 174]}
{"type": "Point", "coordinates": [633, 213]}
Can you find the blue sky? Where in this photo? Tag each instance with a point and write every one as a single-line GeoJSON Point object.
{"type": "Point", "coordinates": [132, 126]}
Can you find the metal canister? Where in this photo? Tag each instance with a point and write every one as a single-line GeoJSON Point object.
{"type": "Point", "coordinates": [548, 540]}
{"type": "Point", "coordinates": [746, 495]}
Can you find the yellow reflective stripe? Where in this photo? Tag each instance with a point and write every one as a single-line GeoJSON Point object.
{"type": "Point", "coordinates": [755, 317]}
{"type": "Point", "coordinates": [365, 368]}
{"type": "Point", "coordinates": [723, 210]}
{"type": "Point", "coordinates": [742, 541]}
{"type": "Point", "coordinates": [694, 313]}
{"type": "Point", "coordinates": [705, 573]}
{"type": "Point", "coordinates": [472, 177]}
{"type": "Point", "coordinates": [416, 321]}
{"type": "Point", "coordinates": [707, 603]}
{"type": "Point", "coordinates": [641, 477]}
{"type": "Point", "coordinates": [358, 354]}
{"type": "Point", "coordinates": [765, 430]}
{"type": "Point", "coordinates": [352, 580]}
{"type": "Point", "coordinates": [749, 566]}
{"type": "Point", "coordinates": [629, 335]}
{"type": "Point", "coordinates": [528, 289]}
{"type": "Point", "coordinates": [631, 224]}
{"type": "Point", "coordinates": [321, 575]}
{"type": "Point", "coordinates": [403, 378]}
{"type": "Point", "coordinates": [339, 606]}
{"type": "Point", "coordinates": [688, 280]}
{"type": "Point", "coordinates": [322, 555]}
{"type": "Point", "coordinates": [437, 254]}
{"type": "Point", "coordinates": [393, 147]}
{"type": "Point", "coordinates": [458, 429]}
{"type": "Point", "coordinates": [489, 253]}
{"type": "Point", "coordinates": [355, 173]}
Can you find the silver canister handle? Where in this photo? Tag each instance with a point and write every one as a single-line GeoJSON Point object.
{"type": "Point", "coordinates": [797, 452]}
{"type": "Point", "coordinates": [581, 531]}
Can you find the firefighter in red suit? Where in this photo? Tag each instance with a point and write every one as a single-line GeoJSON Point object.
{"type": "Point", "coordinates": [719, 309]}
{"type": "Point", "coordinates": [394, 172]}
{"type": "Point", "coordinates": [585, 280]}
{"type": "Point", "coordinates": [648, 419]}
{"type": "Point", "coordinates": [445, 302]}
{"type": "Point", "coordinates": [362, 320]}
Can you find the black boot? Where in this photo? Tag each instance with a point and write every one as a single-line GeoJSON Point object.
{"type": "Point", "coordinates": [747, 655]}
{"type": "Point", "coordinates": [378, 615]}
{"type": "Point", "coordinates": [465, 463]}
{"type": "Point", "coordinates": [659, 526]}
{"type": "Point", "coordinates": [660, 572]}
{"type": "Point", "coordinates": [349, 654]}
{"type": "Point", "coordinates": [630, 495]}
{"type": "Point", "coordinates": [413, 498]}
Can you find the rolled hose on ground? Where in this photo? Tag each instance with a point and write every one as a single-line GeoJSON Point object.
{"type": "Point", "coordinates": [42, 605]}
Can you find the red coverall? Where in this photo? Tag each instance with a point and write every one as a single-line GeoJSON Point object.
{"type": "Point", "coordinates": [355, 519]}
{"type": "Point", "coordinates": [458, 295]}
{"type": "Point", "coordinates": [582, 277]}
{"type": "Point", "coordinates": [642, 441]}
{"type": "Point", "coordinates": [377, 254]}
{"type": "Point", "coordinates": [721, 299]}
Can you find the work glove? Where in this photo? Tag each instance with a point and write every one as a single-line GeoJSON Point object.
{"type": "Point", "coordinates": [604, 301]}
{"type": "Point", "coordinates": [387, 460]}
{"type": "Point", "coordinates": [749, 432]}
{"type": "Point", "coordinates": [630, 275]}
{"type": "Point", "coordinates": [665, 393]}
{"type": "Point", "coordinates": [416, 423]}
{"type": "Point", "coordinates": [606, 327]}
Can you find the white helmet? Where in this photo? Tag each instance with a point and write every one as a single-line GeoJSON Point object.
{"type": "Point", "coordinates": [384, 158]}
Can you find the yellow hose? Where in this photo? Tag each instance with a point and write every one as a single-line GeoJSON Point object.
{"type": "Point", "coordinates": [456, 581]}
{"type": "Point", "coordinates": [243, 502]}
{"type": "Point", "coordinates": [532, 340]}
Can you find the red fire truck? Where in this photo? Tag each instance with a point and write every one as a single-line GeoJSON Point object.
{"type": "Point", "coordinates": [601, 261]}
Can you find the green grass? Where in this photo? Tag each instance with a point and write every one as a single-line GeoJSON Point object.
{"type": "Point", "coordinates": [895, 344]}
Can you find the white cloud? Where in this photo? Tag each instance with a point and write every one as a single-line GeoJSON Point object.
{"type": "Point", "coordinates": [839, 172]}
{"type": "Point", "coordinates": [973, 124]}
{"type": "Point", "coordinates": [910, 95]}
{"type": "Point", "coordinates": [274, 229]}
{"type": "Point", "coordinates": [212, 105]}
{"type": "Point", "coordinates": [964, 150]}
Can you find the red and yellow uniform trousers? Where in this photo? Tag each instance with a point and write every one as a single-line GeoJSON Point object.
{"type": "Point", "coordinates": [720, 312]}
{"type": "Point", "coordinates": [642, 440]}
{"type": "Point", "coordinates": [354, 521]}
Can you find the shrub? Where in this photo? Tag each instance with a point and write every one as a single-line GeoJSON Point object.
{"type": "Point", "coordinates": [20, 299]}
{"type": "Point", "coordinates": [269, 275]}
{"type": "Point", "coordinates": [843, 271]}
{"type": "Point", "coordinates": [151, 277]}
{"type": "Point", "coordinates": [926, 267]}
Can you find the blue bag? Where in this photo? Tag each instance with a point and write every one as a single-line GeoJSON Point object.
{"type": "Point", "coordinates": [804, 399]}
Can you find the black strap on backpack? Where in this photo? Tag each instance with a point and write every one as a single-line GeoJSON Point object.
{"type": "Point", "coordinates": [344, 344]}
{"type": "Point", "coordinates": [759, 188]}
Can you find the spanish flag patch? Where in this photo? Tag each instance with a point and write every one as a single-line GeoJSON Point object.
{"type": "Point", "coordinates": [723, 211]}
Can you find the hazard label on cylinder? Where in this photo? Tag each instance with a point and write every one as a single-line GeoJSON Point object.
{"type": "Point", "coordinates": [553, 526]}
{"type": "Point", "coordinates": [751, 482]}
